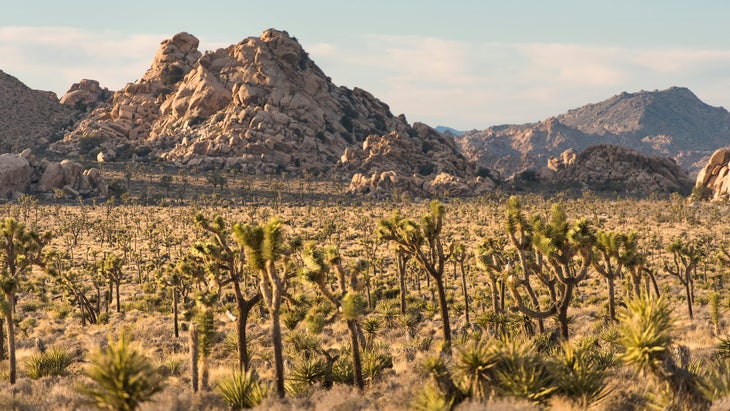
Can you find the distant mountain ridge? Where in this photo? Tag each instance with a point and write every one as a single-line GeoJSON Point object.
{"type": "Point", "coordinates": [672, 123]}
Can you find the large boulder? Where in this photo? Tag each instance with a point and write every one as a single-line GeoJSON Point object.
{"type": "Point", "coordinates": [85, 95]}
{"type": "Point", "coordinates": [714, 178]}
{"type": "Point", "coordinates": [14, 175]}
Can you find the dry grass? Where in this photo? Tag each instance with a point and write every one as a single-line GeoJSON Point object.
{"type": "Point", "coordinates": [311, 210]}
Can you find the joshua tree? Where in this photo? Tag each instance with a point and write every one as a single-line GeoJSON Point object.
{"type": "Point", "coordinates": [459, 257]}
{"type": "Point", "coordinates": [685, 256]}
{"type": "Point", "coordinates": [614, 253]}
{"type": "Point", "coordinates": [423, 242]}
{"type": "Point", "coordinates": [349, 301]}
{"type": "Point", "coordinates": [176, 277]}
{"type": "Point", "coordinates": [111, 269]}
{"type": "Point", "coordinates": [559, 255]}
{"type": "Point", "coordinates": [226, 264]}
{"type": "Point", "coordinates": [490, 257]}
{"type": "Point", "coordinates": [264, 246]}
{"type": "Point", "coordinates": [401, 258]}
{"type": "Point", "coordinates": [20, 248]}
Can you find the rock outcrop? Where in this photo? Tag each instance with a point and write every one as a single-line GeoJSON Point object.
{"type": "Point", "coordinates": [423, 162]}
{"type": "Point", "coordinates": [85, 95]}
{"type": "Point", "coordinates": [669, 123]}
{"type": "Point", "coordinates": [30, 118]}
{"type": "Point", "coordinates": [14, 175]}
{"type": "Point", "coordinates": [23, 173]}
{"type": "Point", "coordinates": [615, 168]}
{"type": "Point", "coordinates": [261, 105]}
{"type": "Point", "coordinates": [714, 178]}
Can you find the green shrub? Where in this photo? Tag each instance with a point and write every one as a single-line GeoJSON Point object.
{"type": "Point", "coordinates": [242, 390]}
{"type": "Point", "coordinates": [53, 362]}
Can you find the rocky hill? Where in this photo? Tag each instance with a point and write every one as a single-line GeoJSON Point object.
{"type": "Point", "coordinates": [614, 168]}
{"type": "Point", "coordinates": [30, 118]}
{"type": "Point", "coordinates": [261, 105]}
{"type": "Point", "coordinates": [672, 123]}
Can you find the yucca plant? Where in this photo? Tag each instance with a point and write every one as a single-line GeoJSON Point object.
{"type": "Point", "coordinates": [53, 362]}
{"type": "Point", "coordinates": [307, 373]}
{"type": "Point", "coordinates": [716, 379]}
{"type": "Point", "coordinates": [474, 366]}
{"type": "Point", "coordinates": [374, 361]}
{"type": "Point", "coordinates": [121, 377]}
{"type": "Point", "coordinates": [304, 344]}
{"type": "Point", "coordinates": [579, 373]}
{"type": "Point", "coordinates": [723, 347]}
{"type": "Point", "coordinates": [646, 328]}
{"type": "Point", "coordinates": [242, 389]}
{"type": "Point", "coordinates": [448, 393]}
{"type": "Point", "coordinates": [371, 326]}
{"type": "Point", "coordinates": [432, 399]}
{"type": "Point", "coordinates": [521, 372]}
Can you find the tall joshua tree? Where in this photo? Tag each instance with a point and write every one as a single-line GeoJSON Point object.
{"type": "Point", "coordinates": [424, 244]}
{"type": "Point", "coordinates": [20, 248]}
{"type": "Point", "coordinates": [615, 252]}
{"type": "Point", "coordinates": [490, 256]}
{"type": "Point", "coordinates": [349, 301]}
{"type": "Point", "coordinates": [226, 262]}
{"type": "Point", "coordinates": [561, 253]}
{"type": "Point", "coordinates": [264, 246]}
{"type": "Point", "coordinates": [685, 256]}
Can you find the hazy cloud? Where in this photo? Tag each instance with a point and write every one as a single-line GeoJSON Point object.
{"type": "Point", "coordinates": [478, 84]}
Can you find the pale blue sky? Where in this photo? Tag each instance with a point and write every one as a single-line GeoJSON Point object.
{"type": "Point", "coordinates": [467, 64]}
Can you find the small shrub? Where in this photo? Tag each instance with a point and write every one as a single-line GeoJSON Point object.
{"type": "Point", "coordinates": [307, 373]}
{"type": "Point", "coordinates": [53, 362]}
{"type": "Point", "coordinates": [242, 390]}
{"type": "Point", "coordinates": [122, 377]}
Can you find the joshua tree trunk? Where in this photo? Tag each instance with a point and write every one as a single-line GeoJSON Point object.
{"type": "Point", "coordinates": [463, 286]}
{"type": "Point", "coordinates": [443, 304]}
{"type": "Point", "coordinates": [611, 298]}
{"type": "Point", "coordinates": [11, 342]}
{"type": "Point", "coordinates": [2, 340]}
{"type": "Point", "coordinates": [174, 311]}
{"type": "Point", "coordinates": [495, 296]}
{"type": "Point", "coordinates": [194, 356]}
{"type": "Point", "coordinates": [356, 361]}
{"type": "Point", "coordinates": [402, 264]}
{"type": "Point", "coordinates": [244, 307]}
{"type": "Point", "coordinates": [278, 352]}
{"type": "Point", "coordinates": [119, 306]}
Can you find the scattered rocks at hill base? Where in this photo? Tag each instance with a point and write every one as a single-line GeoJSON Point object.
{"type": "Point", "coordinates": [14, 175]}
{"type": "Point", "coordinates": [23, 173]}
{"type": "Point", "coordinates": [714, 178]}
{"type": "Point", "coordinates": [386, 164]}
{"type": "Point", "coordinates": [607, 167]}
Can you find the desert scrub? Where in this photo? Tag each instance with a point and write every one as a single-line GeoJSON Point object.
{"type": "Point", "coordinates": [121, 377]}
{"type": "Point", "coordinates": [53, 362]}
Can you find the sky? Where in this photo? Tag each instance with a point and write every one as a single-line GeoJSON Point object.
{"type": "Point", "coordinates": [467, 64]}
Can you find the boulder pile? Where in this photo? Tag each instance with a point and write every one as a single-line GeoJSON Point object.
{"type": "Point", "coordinates": [23, 173]}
